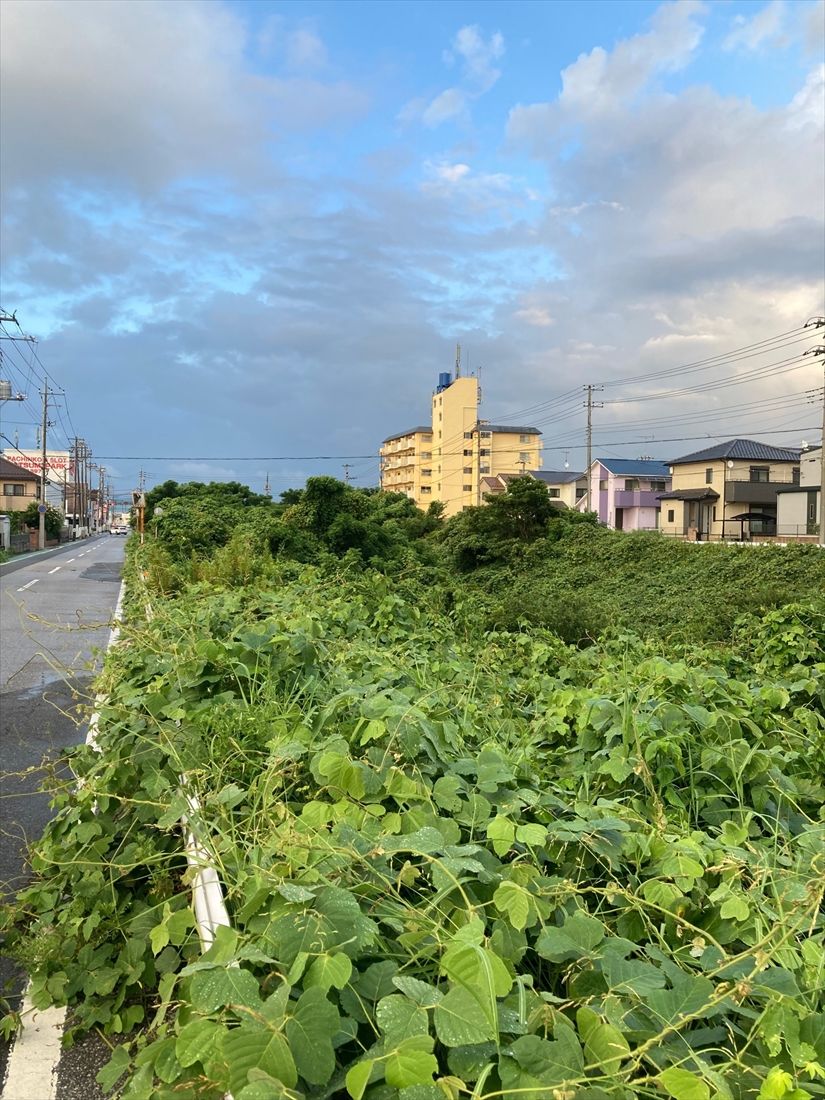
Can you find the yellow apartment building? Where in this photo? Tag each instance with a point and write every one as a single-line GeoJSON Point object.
{"type": "Point", "coordinates": [447, 460]}
{"type": "Point", "coordinates": [727, 491]}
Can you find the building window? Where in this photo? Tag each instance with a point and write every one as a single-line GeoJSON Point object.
{"type": "Point", "coordinates": [581, 494]}
{"type": "Point", "coordinates": [468, 435]}
{"type": "Point", "coordinates": [426, 473]}
{"type": "Point", "coordinates": [468, 450]}
{"type": "Point", "coordinates": [484, 469]}
{"type": "Point", "coordinates": [467, 470]}
{"type": "Point", "coordinates": [14, 490]}
{"type": "Point", "coordinates": [658, 486]}
{"type": "Point", "coordinates": [761, 474]}
{"type": "Point", "coordinates": [603, 485]}
{"type": "Point", "coordinates": [554, 494]}
{"type": "Point", "coordinates": [426, 489]}
{"type": "Point", "coordinates": [524, 456]}
{"type": "Point", "coordinates": [426, 454]}
{"type": "Point", "coordinates": [524, 439]}
{"type": "Point", "coordinates": [467, 488]}
{"type": "Point", "coordinates": [426, 439]}
{"type": "Point", "coordinates": [484, 452]}
{"type": "Point", "coordinates": [486, 435]}
{"type": "Point", "coordinates": [631, 483]}
{"type": "Point", "coordinates": [709, 476]}
{"type": "Point", "coordinates": [670, 515]}
{"type": "Point", "coordinates": [714, 513]}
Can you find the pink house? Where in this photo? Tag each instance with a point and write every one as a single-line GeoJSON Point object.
{"type": "Point", "coordinates": [624, 492]}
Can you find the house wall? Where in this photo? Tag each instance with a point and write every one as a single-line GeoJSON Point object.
{"type": "Point", "coordinates": [20, 496]}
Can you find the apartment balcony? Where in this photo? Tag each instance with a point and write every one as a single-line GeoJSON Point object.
{"type": "Point", "coordinates": [637, 498]}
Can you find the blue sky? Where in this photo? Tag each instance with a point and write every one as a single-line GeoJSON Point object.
{"type": "Point", "coordinates": [243, 229]}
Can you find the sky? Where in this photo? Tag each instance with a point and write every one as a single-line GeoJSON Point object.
{"type": "Point", "coordinates": [248, 234]}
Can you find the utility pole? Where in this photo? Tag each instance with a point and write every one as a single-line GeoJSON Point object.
{"type": "Point", "coordinates": [267, 487]}
{"type": "Point", "coordinates": [819, 322]}
{"type": "Point", "coordinates": [41, 516]}
{"type": "Point", "coordinates": [590, 404]}
{"type": "Point", "coordinates": [347, 468]}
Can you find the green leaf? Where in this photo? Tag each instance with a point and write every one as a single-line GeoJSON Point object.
{"type": "Point", "coordinates": [159, 935]}
{"type": "Point", "coordinates": [197, 1041]}
{"type": "Point", "coordinates": [688, 997]}
{"type": "Point", "coordinates": [248, 1047]}
{"type": "Point", "coordinates": [532, 834]}
{"type": "Point", "coordinates": [681, 1084]}
{"type": "Point", "coordinates": [576, 939]}
{"type": "Point", "coordinates": [358, 1078]}
{"type": "Point", "coordinates": [512, 899]}
{"type": "Point", "coordinates": [114, 1068]}
{"type": "Point", "coordinates": [460, 1020]}
{"type": "Point", "coordinates": [310, 1028]}
{"type": "Point", "coordinates": [411, 1063]}
{"type": "Point", "coordinates": [329, 970]}
{"type": "Point", "coordinates": [477, 968]}
{"type": "Point", "coordinates": [213, 989]}
{"type": "Point", "coordinates": [551, 1063]}
{"type": "Point", "coordinates": [501, 833]}
{"type": "Point", "coordinates": [422, 993]}
{"type": "Point", "coordinates": [735, 908]}
{"type": "Point", "coordinates": [604, 1045]}
{"type": "Point", "coordinates": [400, 1018]}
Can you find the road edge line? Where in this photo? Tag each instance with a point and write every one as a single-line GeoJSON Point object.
{"type": "Point", "coordinates": [37, 1048]}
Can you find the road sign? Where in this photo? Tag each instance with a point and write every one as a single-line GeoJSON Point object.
{"type": "Point", "coordinates": [41, 509]}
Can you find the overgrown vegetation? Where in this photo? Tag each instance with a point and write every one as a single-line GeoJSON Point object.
{"type": "Point", "coordinates": [459, 861]}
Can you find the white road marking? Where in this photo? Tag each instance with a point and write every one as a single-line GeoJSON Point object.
{"type": "Point", "coordinates": [56, 568]}
{"type": "Point", "coordinates": [34, 1060]}
{"type": "Point", "coordinates": [35, 1056]}
{"type": "Point", "coordinates": [25, 586]}
{"type": "Point", "coordinates": [70, 559]}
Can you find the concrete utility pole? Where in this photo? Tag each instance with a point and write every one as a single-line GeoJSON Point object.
{"type": "Point", "coordinates": [347, 468]}
{"type": "Point", "coordinates": [590, 404]}
{"type": "Point", "coordinates": [819, 322]}
{"type": "Point", "coordinates": [41, 516]}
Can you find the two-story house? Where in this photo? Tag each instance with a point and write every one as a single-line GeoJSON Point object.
{"type": "Point", "coordinates": [728, 490]}
{"type": "Point", "coordinates": [20, 487]}
{"type": "Point", "coordinates": [799, 507]}
{"type": "Point", "coordinates": [624, 492]}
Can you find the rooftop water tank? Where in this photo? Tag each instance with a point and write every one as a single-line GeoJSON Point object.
{"type": "Point", "coordinates": [5, 390]}
{"type": "Point", "coordinates": [444, 380]}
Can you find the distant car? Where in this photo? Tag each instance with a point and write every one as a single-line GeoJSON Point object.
{"type": "Point", "coordinates": [120, 530]}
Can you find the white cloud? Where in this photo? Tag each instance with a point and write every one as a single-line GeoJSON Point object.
{"type": "Point", "coordinates": [447, 105]}
{"type": "Point", "coordinates": [478, 55]}
{"type": "Point", "coordinates": [759, 30]}
{"type": "Point", "coordinates": [535, 315]}
{"type": "Point", "coordinates": [479, 74]}
{"type": "Point", "coordinates": [808, 105]}
{"type": "Point", "coordinates": [603, 82]}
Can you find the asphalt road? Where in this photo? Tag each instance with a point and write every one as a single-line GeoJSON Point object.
{"type": "Point", "coordinates": [55, 615]}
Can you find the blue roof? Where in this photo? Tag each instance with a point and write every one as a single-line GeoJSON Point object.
{"type": "Point", "coordinates": [639, 466]}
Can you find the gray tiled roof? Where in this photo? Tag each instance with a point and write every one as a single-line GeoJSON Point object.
{"type": "Point", "coordinates": [513, 429]}
{"type": "Point", "coordinates": [745, 449]}
{"type": "Point", "coordinates": [557, 477]}
{"type": "Point", "coordinates": [410, 431]}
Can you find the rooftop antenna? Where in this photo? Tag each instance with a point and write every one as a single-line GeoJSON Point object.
{"type": "Point", "coordinates": [458, 360]}
{"type": "Point", "coordinates": [567, 460]}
